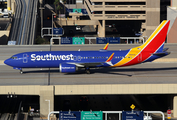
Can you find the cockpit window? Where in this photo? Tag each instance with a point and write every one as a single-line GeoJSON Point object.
{"type": "Point", "coordinates": [13, 57]}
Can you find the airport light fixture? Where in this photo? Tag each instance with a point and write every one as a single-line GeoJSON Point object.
{"type": "Point", "coordinates": [11, 95]}
{"type": "Point", "coordinates": [49, 104]}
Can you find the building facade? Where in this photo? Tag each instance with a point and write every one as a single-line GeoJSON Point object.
{"type": "Point", "coordinates": [128, 17]}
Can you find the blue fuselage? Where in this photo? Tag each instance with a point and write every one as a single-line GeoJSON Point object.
{"type": "Point", "coordinates": [53, 59]}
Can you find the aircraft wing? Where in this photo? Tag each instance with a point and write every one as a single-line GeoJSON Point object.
{"type": "Point", "coordinates": [88, 64]}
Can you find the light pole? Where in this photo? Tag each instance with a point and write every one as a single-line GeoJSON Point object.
{"type": "Point", "coordinates": [50, 49]}
{"type": "Point", "coordinates": [49, 104]}
{"type": "Point", "coordinates": [52, 23]}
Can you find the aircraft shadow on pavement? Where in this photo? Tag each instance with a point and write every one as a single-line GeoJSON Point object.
{"type": "Point", "coordinates": [117, 71]}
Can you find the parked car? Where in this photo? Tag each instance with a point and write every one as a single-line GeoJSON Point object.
{"type": "Point", "coordinates": [78, 28]}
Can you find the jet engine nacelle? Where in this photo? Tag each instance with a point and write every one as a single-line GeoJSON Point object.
{"type": "Point", "coordinates": [68, 68]}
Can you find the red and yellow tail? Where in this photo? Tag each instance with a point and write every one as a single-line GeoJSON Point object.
{"type": "Point", "coordinates": [143, 52]}
{"type": "Point", "coordinates": [157, 38]}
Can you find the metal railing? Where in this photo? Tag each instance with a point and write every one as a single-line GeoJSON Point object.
{"type": "Point", "coordinates": [134, 38]}
{"type": "Point", "coordinates": [128, 40]}
{"type": "Point", "coordinates": [49, 32]}
{"type": "Point", "coordinates": [118, 112]}
{"type": "Point", "coordinates": [147, 112]}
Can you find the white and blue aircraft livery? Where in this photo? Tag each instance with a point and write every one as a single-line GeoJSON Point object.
{"type": "Point", "coordinates": [70, 61]}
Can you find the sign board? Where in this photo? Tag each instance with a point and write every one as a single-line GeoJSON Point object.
{"type": "Point", "coordinates": [113, 40]}
{"type": "Point", "coordinates": [78, 40]}
{"type": "Point", "coordinates": [84, 11]}
{"type": "Point", "coordinates": [138, 34]}
{"type": "Point", "coordinates": [73, 115]}
{"type": "Point", "coordinates": [77, 10]}
{"type": "Point", "coordinates": [101, 40]}
{"type": "Point", "coordinates": [68, 11]}
{"type": "Point", "coordinates": [132, 106]}
{"type": "Point", "coordinates": [132, 115]}
{"type": "Point", "coordinates": [11, 42]}
{"type": "Point", "coordinates": [91, 115]}
{"type": "Point", "coordinates": [169, 114]}
{"type": "Point", "coordinates": [66, 40]}
{"type": "Point", "coordinates": [168, 111]}
{"type": "Point", "coordinates": [57, 31]}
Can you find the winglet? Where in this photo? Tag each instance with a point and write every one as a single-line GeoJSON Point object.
{"type": "Point", "coordinates": [110, 58]}
{"type": "Point", "coordinates": [106, 46]}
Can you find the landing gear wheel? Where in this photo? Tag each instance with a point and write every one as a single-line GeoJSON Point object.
{"type": "Point", "coordinates": [88, 71]}
{"type": "Point", "coordinates": [21, 72]}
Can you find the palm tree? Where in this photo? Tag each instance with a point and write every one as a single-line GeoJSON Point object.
{"type": "Point", "coordinates": [56, 3]}
{"type": "Point", "coordinates": [59, 8]}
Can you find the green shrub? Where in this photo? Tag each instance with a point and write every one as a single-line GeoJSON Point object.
{"type": "Point", "coordinates": [39, 40]}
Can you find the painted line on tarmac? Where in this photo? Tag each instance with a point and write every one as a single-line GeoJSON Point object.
{"type": "Point", "coordinates": [166, 60]}
{"type": "Point", "coordinates": [2, 62]}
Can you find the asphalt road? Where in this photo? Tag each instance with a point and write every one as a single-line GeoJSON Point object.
{"type": "Point", "coordinates": [146, 73]}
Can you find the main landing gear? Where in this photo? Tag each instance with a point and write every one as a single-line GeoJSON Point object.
{"type": "Point", "coordinates": [87, 70]}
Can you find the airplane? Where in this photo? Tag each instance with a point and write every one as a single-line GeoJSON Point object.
{"type": "Point", "coordinates": [71, 61]}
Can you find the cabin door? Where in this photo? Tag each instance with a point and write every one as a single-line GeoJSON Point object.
{"type": "Point", "coordinates": [25, 58]}
{"type": "Point", "coordinates": [140, 57]}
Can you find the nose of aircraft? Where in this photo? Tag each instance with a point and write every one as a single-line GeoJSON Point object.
{"type": "Point", "coordinates": [7, 62]}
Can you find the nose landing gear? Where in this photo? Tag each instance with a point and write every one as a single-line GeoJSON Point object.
{"type": "Point", "coordinates": [21, 72]}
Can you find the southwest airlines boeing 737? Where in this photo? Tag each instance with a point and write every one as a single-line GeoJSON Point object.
{"type": "Point", "coordinates": [71, 61]}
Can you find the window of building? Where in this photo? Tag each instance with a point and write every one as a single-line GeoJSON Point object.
{"type": "Point", "coordinates": [70, 1]}
{"type": "Point", "coordinates": [125, 3]}
{"type": "Point", "coordinates": [125, 12]}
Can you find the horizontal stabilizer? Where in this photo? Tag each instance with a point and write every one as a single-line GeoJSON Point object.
{"type": "Point", "coordinates": [165, 49]}
{"type": "Point", "coordinates": [162, 53]}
